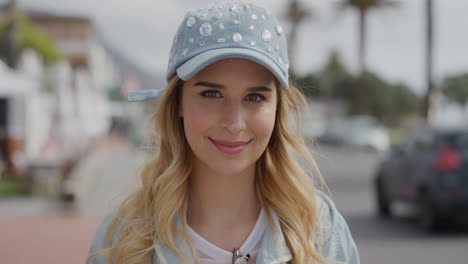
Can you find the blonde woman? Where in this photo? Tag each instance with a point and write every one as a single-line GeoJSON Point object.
{"type": "Point", "coordinates": [226, 185]}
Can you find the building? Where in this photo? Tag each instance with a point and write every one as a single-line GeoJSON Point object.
{"type": "Point", "coordinates": [73, 35]}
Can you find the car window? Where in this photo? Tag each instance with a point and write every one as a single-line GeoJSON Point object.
{"type": "Point", "coordinates": [457, 140]}
{"type": "Point", "coordinates": [460, 142]}
{"type": "Point", "coordinates": [419, 138]}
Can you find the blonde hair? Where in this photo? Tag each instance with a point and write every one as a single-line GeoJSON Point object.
{"type": "Point", "coordinates": [281, 184]}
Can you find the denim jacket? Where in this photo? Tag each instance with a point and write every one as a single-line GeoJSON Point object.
{"type": "Point", "coordinates": [338, 243]}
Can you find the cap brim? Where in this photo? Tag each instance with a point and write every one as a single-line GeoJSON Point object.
{"type": "Point", "coordinates": [200, 61]}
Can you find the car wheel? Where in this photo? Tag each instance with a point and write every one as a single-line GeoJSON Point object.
{"type": "Point", "coordinates": [428, 219]}
{"type": "Point", "coordinates": [383, 202]}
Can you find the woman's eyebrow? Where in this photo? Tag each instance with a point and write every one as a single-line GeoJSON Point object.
{"type": "Point", "coordinates": [260, 89]}
{"type": "Point", "coordinates": [219, 86]}
{"type": "Point", "coordinates": [209, 84]}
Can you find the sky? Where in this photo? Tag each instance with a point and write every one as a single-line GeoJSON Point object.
{"type": "Point", "coordinates": [143, 31]}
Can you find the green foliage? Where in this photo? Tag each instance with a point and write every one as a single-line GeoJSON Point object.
{"type": "Point", "coordinates": [336, 81]}
{"type": "Point", "coordinates": [113, 93]}
{"type": "Point", "coordinates": [9, 187]}
{"type": "Point", "coordinates": [396, 134]}
{"type": "Point", "coordinates": [32, 37]}
{"type": "Point", "coordinates": [309, 84]}
{"type": "Point", "coordinates": [388, 102]}
{"type": "Point", "coordinates": [456, 88]}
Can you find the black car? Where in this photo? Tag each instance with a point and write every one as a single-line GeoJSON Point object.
{"type": "Point", "coordinates": [428, 171]}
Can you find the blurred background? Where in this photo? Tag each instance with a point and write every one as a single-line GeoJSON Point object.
{"type": "Point", "coordinates": [386, 81]}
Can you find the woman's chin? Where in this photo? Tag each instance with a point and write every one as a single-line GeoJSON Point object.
{"type": "Point", "coordinates": [229, 168]}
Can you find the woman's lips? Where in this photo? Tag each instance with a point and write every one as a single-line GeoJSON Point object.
{"type": "Point", "coordinates": [230, 147]}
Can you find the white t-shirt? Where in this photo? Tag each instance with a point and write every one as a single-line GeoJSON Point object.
{"type": "Point", "coordinates": [212, 254]}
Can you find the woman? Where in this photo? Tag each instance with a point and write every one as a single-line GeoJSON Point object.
{"type": "Point", "coordinates": [226, 185]}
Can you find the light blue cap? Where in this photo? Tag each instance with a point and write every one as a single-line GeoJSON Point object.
{"type": "Point", "coordinates": [225, 30]}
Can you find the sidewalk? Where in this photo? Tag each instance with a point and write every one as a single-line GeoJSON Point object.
{"type": "Point", "coordinates": [41, 231]}
{"type": "Point", "coordinates": [46, 239]}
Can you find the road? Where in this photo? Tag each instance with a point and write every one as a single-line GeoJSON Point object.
{"type": "Point", "coordinates": [380, 241]}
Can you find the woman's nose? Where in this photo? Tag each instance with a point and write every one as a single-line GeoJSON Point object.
{"type": "Point", "coordinates": [233, 118]}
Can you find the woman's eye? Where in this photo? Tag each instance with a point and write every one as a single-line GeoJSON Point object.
{"type": "Point", "coordinates": [255, 97]}
{"type": "Point", "coordinates": [210, 93]}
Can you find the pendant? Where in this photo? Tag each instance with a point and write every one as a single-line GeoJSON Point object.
{"type": "Point", "coordinates": [237, 257]}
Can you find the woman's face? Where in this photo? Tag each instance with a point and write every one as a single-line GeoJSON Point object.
{"type": "Point", "coordinates": [228, 112]}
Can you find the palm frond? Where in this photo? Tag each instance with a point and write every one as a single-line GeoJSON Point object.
{"type": "Point", "coordinates": [366, 4]}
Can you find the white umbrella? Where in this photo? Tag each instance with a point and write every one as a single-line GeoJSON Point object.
{"type": "Point", "coordinates": [15, 84]}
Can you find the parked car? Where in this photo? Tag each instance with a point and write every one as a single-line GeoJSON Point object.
{"type": "Point", "coordinates": [428, 171]}
{"type": "Point", "coordinates": [362, 132]}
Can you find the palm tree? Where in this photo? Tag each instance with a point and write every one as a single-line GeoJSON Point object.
{"type": "Point", "coordinates": [429, 51]}
{"type": "Point", "coordinates": [363, 7]}
{"type": "Point", "coordinates": [296, 13]}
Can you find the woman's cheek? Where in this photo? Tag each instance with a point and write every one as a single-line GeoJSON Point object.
{"type": "Point", "coordinates": [262, 123]}
{"type": "Point", "coordinates": [198, 116]}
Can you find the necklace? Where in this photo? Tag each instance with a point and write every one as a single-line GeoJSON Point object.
{"type": "Point", "coordinates": [238, 258]}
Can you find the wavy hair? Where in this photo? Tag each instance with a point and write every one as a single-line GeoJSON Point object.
{"type": "Point", "coordinates": [281, 183]}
